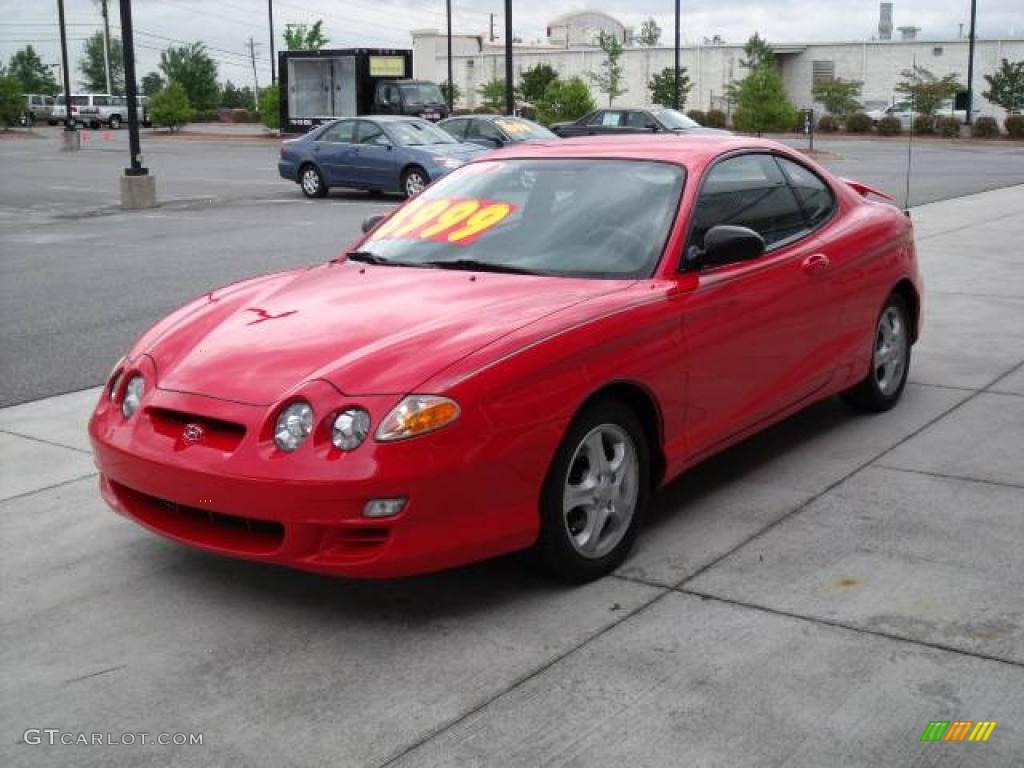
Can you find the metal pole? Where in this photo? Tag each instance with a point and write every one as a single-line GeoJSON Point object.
{"type": "Point", "coordinates": [273, 63]}
{"type": "Point", "coordinates": [675, 94]}
{"type": "Point", "coordinates": [510, 99]}
{"type": "Point", "coordinates": [131, 91]}
{"type": "Point", "coordinates": [106, 45]}
{"type": "Point", "coordinates": [255, 79]}
{"type": "Point", "coordinates": [69, 124]}
{"type": "Point", "coordinates": [451, 85]}
{"type": "Point", "coordinates": [970, 64]}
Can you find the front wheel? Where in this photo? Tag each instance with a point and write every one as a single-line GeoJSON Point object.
{"type": "Point", "coordinates": [595, 494]}
{"type": "Point", "coordinates": [882, 388]}
{"type": "Point", "coordinates": [115, 122]}
{"type": "Point", "coordinates": [312, 181]}
{"type": "Point", "coordinates": [414, 181]}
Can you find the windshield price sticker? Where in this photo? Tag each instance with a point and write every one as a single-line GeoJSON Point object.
{"type": "Point", "coordinates": [512, 126]}
{"type": "Point", "coordinates": [461, 221]}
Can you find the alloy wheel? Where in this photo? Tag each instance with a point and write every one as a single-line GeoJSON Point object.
{"type": "Point", "coordinates": [890, 357]}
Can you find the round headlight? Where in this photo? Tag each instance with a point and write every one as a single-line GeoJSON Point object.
{"type": "Point", "coordinates": [293, 426]}
{"type": "Point", "coordinates": [133, 396]}
{"type": "Point", "coordinates": [350, 429]}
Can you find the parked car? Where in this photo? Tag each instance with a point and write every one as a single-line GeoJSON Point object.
{"type": "Point", "coordinates": [97, 109]}
{"type": "Point", "coordinates": [621, 121]}
{"type": "Point", "coordinates": [903, 111]}
{"type": "Point", "coordinates": [518, 357]}
{"type": "Point", "coordinates": [490, 131]}
{"type": "Point", "coordinates": [38, 108]}
{"type": "Point", "coordinates": [383, 153]}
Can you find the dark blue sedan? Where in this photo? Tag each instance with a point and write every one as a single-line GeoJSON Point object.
{"type": "Point", "coordinates": [383, 153]}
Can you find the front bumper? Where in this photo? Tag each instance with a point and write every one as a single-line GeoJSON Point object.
{"type": "Point", "coordinates": [304, 510]}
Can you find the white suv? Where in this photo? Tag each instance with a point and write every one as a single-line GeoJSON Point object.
{"type": "Point", "coordinates": [97, 109]}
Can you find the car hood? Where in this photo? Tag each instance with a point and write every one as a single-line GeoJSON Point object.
{"type": "Point", "coordinates": [462, 150]}
{"type": "Point", "coordinates": [368, 330]}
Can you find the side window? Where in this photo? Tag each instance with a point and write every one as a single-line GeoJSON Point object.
{"type": "Point", "coordinates": [456, 128]}
{"type": "Point", "coordinates": [100, 101]}
{"type": "Point", "coordinates": [814, 194]}
{"type": "Point", "coordinates": [612, 120]}
{"type": "Point", "coordinates": [747, 191]}
{"type": "Point", "coordinates": [482, 129]}
{"type": "Point", "coordinates": [371, 133]}
{"type": "Point", "coordinates": [639, 120]}
{"type": "Point", "coordinates": [340, 133]}
{"type": "Point", "coordinates": [597, 118]}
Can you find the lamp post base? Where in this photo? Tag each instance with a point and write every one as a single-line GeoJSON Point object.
{"type": "Point", "coordinates": [72, 141]}
{"type": "Point", "coordinates": [138, 192]}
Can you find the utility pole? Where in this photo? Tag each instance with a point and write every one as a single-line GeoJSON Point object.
{"type": "Point", "coordinates": [138, 188]}
{"type": "Point", "coordinates": [675, 89]}
{"type": "Point", "coordinates": [510, 99]}
{"type": "Point", "coordinates": [451, 86]}
{"type": "Point", "coordinates": [491, 38]}
{"type": "Point", "coordinates": [970, 63]}
{"type": "Point", "coordinates": [71, 137]}
{"type": "Point", "coordinates": [106, 43]}
{"type": "Point", "coordinates": [273, 63]}
{"type": "Point", "coordinates": [256, 82]}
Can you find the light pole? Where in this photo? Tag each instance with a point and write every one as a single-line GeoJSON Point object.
{"type": "Point", "coordinates": [71, 137]}
{"type": "Point", "coordinates": [510, 99]}
{"type": "Point", "coordinates": [970, 63]}
{"type": "Point", "coordinates": [138, 188]}
{"type": "Point", "coordinates": [675, 94]}
{"type": "Point", "coordinates": [451, 86]}
{"type": "Point", "coordinates": [273, 64]}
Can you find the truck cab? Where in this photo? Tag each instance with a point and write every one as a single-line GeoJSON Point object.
{"type": "Point", "coordinates": [418, 98]}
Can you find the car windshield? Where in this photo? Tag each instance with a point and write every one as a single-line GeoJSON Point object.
{"type": "Point", "coordinates": [418, 133]}
{"type": "Point", "coordinates": [675, 120]}
{"type": "Point", "coordinates": [523, 130]}
{"type": "Point", "coordinates": [421, 93]}
{"type": "Point", "coordinates": [573, 218]}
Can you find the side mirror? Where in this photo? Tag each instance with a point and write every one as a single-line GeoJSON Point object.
{"type": "Point", "coordinates": [726, 244]}
{"type": "Point", "coordinates": [370, 222]}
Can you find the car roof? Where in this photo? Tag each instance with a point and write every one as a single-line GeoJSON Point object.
{"type": "Point", "coordinates": [687, 149]}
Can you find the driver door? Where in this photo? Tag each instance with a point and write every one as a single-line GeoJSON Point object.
{"type": "Point", "coordinates": [335, 152]}
{"type": "Point", "coordinates": [756, 331]}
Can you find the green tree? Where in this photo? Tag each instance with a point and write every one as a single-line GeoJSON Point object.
{"type": "Point", "coordinates": [1006, 86]}
{"type": "Point", "coordinates": [171, 106]}
{"type": "Point", "coordinates": [94, 73]}
{"type": "Point", "coordinates": [456, 92]}
{"type": "Point", "coordinates": [270, 107]}
{"type": "Point", "coordinates": [662, 86]}
{"type": "Point", "coordinates": [493, 94]}
{"type": "Point", "coordinates": [191, 67]}
{"type": "Point", "coordinates": [30, 71]}
{"type": "Point", "coordinates": [533, 82]}
{"type": "Point", "coordinates": [927, 91]}
{"type": "Point", "coordinates": [758, 53]}
{"type": "Point", "coordinates": [762, 104]}
{"type": "Point", "coordinates": [12, 101]}
{"type": "Point", "coordinates": [152, 84]}
{"type": "Point", "coordinates": [609, 79]}
{"type": "Point", "coordinates": [650, 33]}
{"type": "Point", "coordinates": [233, 97]}
{"type": "Point", "coordinates": [565, 100]}
{"type": "Point", "coordinates": [299, 37]}
{"type": "Point", "coordinates": [840, 97]}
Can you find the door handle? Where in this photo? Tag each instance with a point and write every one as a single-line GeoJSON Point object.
{"type": "Point", "coordinates": [815, 263]}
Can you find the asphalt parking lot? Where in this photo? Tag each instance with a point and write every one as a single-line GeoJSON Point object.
{"type": "Point", "coordinates": [813, 597]}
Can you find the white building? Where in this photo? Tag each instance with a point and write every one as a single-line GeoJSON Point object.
{"type": "Point", "coordinates": [876, 63]}
{"type": "Point", "coordinates": [583, 28]}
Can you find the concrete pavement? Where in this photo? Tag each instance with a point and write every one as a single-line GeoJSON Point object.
{"type": "Point", "coordinates": [813, 597]}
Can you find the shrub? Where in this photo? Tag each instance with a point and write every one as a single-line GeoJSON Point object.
{"type": "Point", "coordinates": [715, 118]}
{"type": "Point", "coordinates": [12, 102]}
{"type": "Point", "coordinates": [1014, 126]}
{"type": "Point", "coordinates": [828, 124]}
{"type": "Point", "coordinates": [697, 116]}
{"type": "Point", "coordinates": [484, 109]}
{"type": "Point", "coordinates": [948, 127]}
{"type": "Point", "coordinates": [170, 106]}
{"type": "Point", "coordinates": [205, 116]}
{"type": "Point", "coordinates": [858, 122]}
{"type": "Point", "coordinates": [565, 100]}
{"type": "Point", "coordinates": [924, 124]}
{"type": "Point", "coordinates": [889, 126]}
{"type": "Point", "coordinates": [985, 127]}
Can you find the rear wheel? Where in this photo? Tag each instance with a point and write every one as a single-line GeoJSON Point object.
{"type": "Point", "coordinates": [312, 181]}
{"type": "Point", "coordinates": [882, 388]}
{"type": "Point", "coordinates": [115, 122]}
{"type": "Point", "coordinates": [595, 494]}
{"type": "Point", "coordinates": [414, 181]}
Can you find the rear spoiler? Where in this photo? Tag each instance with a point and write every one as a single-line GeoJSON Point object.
{"type": "Point", "coordinates": [864, 190]}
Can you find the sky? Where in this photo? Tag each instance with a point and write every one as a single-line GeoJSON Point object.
{"type": "Point", "coordinates": [225, 26]}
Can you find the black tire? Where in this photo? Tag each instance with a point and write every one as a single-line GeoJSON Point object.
{"type": "Point", "coordinates": [557, 548]}
{"type": "Point", "coordinates": [312, 181]}
{"type": "Point", "coordinates": [876, 393]}
{"type": "Point", "coordinates": [115, 122]}
{"type": "Point", "coordinates": [409, 182]}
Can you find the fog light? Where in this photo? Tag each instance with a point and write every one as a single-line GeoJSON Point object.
{"type": "Point", "coordinates": [383, 507]}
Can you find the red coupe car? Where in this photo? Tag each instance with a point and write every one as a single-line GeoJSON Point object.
{"type": "Point", "coordinates": [516, 358]}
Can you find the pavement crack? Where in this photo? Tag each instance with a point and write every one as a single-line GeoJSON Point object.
{"type": "Point", "coordinates": [51, 487]}
{"type": "Point", "coordinates": [95, 674]}
{"type": "Point", "coordinates": [45, 442]}
{"type": "Point", "coordinates": [947, 476]}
